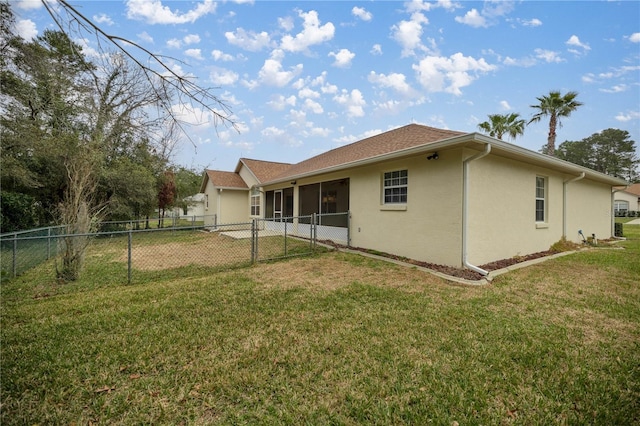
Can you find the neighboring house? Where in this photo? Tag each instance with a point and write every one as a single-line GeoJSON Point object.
{"type": "Point", "coordinates": [627, 199]}
{"type": "Point", "coordinates": [195, 205]}
{"type": "Point", "coordinates": [439, 196]}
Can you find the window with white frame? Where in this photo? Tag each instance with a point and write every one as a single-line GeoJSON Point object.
{"type": "Point", "coordinates": [395, 186]}
{"type": "Point", "coordinates": [541, 199]}
{"type": "Point", "coordinates": [621, 206]}
{"type": "Point", "coordinates": [255, 202]}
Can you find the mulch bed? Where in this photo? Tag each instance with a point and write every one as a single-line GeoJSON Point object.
{"type": "Point", "coordinates": [466, 274]}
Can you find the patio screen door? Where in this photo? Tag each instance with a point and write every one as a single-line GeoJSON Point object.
{"type": "Point", "coordinates": [277, 204]}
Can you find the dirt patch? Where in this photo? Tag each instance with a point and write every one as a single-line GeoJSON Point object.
{"type": "Point", "coordinates": [207, 250]}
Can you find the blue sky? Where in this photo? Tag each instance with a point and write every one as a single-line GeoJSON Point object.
{"type": "Point", "coordinates": [303, 77]}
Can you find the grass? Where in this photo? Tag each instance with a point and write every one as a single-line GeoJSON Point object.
{"type": "Point", "coordinates": [332, 339]}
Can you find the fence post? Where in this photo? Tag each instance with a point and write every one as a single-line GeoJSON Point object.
{"type": "Point", "coordinates": [314, 231]}
{"type": "Point", "coordinates": [15, 255]}
{"type": "Point", "coordinates": [254, 241]}
{"type": "Point", "coordinates": [349, 229]}
{"type": "Point", "coordinates": [285, 237]}
{"type": "Point", "coordinates": [49, 243]}
{"type": "Point", "coordinates": [129, 235]}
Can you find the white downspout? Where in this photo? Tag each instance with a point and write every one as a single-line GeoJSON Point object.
{"type": "Point", "coordinates": [219, 204]}
{"type": "Point", "coordinates": [564, 202]}
{"type": "Point", "coordinates": [465, 202]}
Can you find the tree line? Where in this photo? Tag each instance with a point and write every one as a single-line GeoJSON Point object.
{"type": "Point", "coordinates": [610, 151]}
{"type": "Point", "coordinates": [82, 136]}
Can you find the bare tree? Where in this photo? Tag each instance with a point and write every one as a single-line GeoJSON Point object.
{"type": "Point", "coordinates": [182, 89]}
{"type": "Point", "coordinates": [78, 212]}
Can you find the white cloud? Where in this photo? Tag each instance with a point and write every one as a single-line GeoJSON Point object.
{"type": "Point", "coordinates": [548, 55]}
{"type": "Point", "coordinates": [194, 53]}
{"type": "Point", "coordinates": [361, 13]}
{"type": "Point", "coordinates": [312, 33]}
{"type": "Point", "coordinates": [395, 81]}
{"type": "Point", "coordinates": [409, 33]}
{"type": "Point", "coordinates": [313, 106]}
{"type": "Point", "coordinates": [535, 22]}
{"type": "Point", "coordinates": [376, 49]}
{"type": "Point", "coordinates": [280, 102]}
{"type": "Point", "coordinates": [421, 5]}
{"type": "Point", "coordinates": [219, 55]}
{"type": "Point", "coordinates": [616, 89]}
{"type": "Point", "coordinates": [286, 23]}
{"type": "Point", "coordinates": [27, 4]}
{"type": "Point", "coordinates": [473, 18]}
{"type": "Point", "coordinates": [103, 18]}
{"type": "Point", "coordinates": [223, 77]}
{"type": "Point", "coordinates": [343, 58]}
{"type": "Point", "coordinates": [248, 40]}
{"type": "Point", "coordinates": [353, 102]}
{"type": "Point", "coordinates": [505, 106]}
{"type": "Point", "coordinates": [191, 39]}
{"type": "Point", "coordinates": [588, 78]}
{"type": "Point", "coordinates": [186, 113]}
{"type": "Point", "coordinates": [306, 92]}
{"type": "Point", "coordinates": [628, 116]}
{"type": "Point", "coordinates": [491, 10]}
{"type": "Point", "coordinates": [144, 36]}
{"type": "Point", "coordinates": [174, 43]}
{"type": "Point", "coordinates": [26, 29]}
{"type": "Point", "coordinates": [634, 38]}
{"type": "Point", "coordinates": [441, 74]}
{"type": "Point", "coordinates": [575, 41]}
{"type": "Point", "coordinates": [154, 12]}
{"type": "Point", "coordinates": [272, 73]}
{"type": "Point", "coordinates": [272, 132]}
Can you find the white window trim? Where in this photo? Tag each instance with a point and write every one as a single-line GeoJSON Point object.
{"type": "Point", "coordinates": [542, 223]}
{"type": "Point", "coordinates": [389, 205]}
{"type": "Point", "coordinates": [255, 195]}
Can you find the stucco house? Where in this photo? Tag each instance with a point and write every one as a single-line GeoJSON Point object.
{"type": "Point", "coordinates": [434, 195]}
{"type": "Point", "coordinates": [627, 199]}
{"type": "Point", "coordinates": [234, 197]}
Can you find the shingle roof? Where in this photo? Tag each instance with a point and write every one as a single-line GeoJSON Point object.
{"type": "Point", "coordinates": [405, 137]}
{"type": "Point", "coordinates": [634, 189]}
{"type": "Point", "coordinates": [226, 179]}
{"type": "Point", "coordinates": [264, 171]}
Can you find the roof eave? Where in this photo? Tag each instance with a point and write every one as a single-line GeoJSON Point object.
{"type": "Point", "coordinates": [427, 147]}
{"type": "Point", "coordinates": [519, 152]}
{"type": "Point", "coordinates": [548, 161]}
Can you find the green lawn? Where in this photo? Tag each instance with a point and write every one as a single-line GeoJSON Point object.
{"type": "Point", "coordinates": [332, 339]}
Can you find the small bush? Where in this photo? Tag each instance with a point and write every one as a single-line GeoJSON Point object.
{"type": "Point", "coordinates": [563, 245]}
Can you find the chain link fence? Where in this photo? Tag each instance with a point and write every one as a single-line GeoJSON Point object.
{"type": "Point", "coordinates": [130, 251]}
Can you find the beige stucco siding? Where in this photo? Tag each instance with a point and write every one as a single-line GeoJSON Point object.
{"type": "Point", "coordinates": [588, 209]}
{"type": "Point", "coordinates": [502, 221]}
{"type": "Point", "coordinates": [428, 227]}
{"type": "Point", "coordinates": [501, 211]}
{"type": "Point", "coordinates": [210, 204]}
{"type": "Point", "coordinates": [233, 206]}
{"type": "Point", "coordinates": [247, 176]}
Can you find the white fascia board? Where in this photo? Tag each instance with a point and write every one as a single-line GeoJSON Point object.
{"type": "Point", "coordinates": [515, 151]}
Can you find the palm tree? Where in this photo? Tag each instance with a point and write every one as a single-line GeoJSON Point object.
{"type": "Point", "coordinates": [498, 125]}
{"type": "Point", "coordinates": [555, 106]}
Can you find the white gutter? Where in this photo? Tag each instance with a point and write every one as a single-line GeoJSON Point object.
{"type": "Point", "coordinates": [465, 208]}
{"type": "Point", "coordinates": [564, 202]}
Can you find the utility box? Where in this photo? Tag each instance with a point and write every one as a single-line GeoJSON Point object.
{"type": "Point", "coordinates": [617, 230]}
